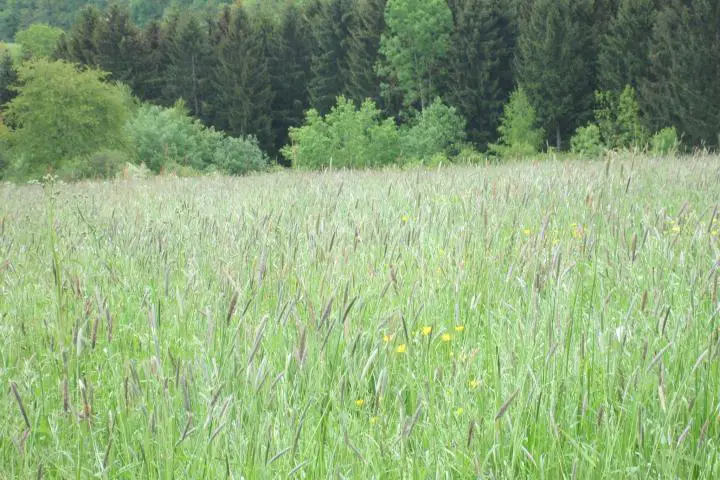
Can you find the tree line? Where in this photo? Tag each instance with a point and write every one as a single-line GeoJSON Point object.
{"type": "Point", "coordinates": [255, 69]}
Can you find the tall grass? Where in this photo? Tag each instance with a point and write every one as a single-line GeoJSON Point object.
{"type": "Point", "coordinates": [551, 320]}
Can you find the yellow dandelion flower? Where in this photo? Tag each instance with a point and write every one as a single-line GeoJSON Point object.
{"type": "Point", "coordinates": [459, 328]}
{"type": "Point", "coordinates": [527, 231]}
{"type": "Point", "coordinates": [373, 420]}
{"type": "Point", "coordinates": [446, 337]}
{"type": "Point", "coordinates": [387, 338]}
{"type": "Point", "coordinates": [426, 331]}
{"type": "Point", "coordinates": [359, 402]}
{"type": "Point", "coordinates": [405, 218]}
{"type": "Point", "coordinates": [459, 411]}
{"type": "Point", "coordinates": [402, 348]}
{"type": "Point", "coordinates": [473, 384]}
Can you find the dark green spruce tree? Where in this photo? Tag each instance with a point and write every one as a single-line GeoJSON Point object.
{"type": "Point", "coordinates": [241, 90]}
{"type": "Point", "coordinates": [683, 88]}
{"type": "Point", "coordinates": [190, 65]}
{"type": "Point", "coordinates": [121, 48]}
{"type": "Point", "coordinates": [81, 44]}
{"type": "Point", "coordinates": [8, 77]}
{"type": "Point", "coordinates": [289, 65]}
{"type": "Point", "coordinates": [480, 63]}
{"type": "Point", "coordinates": [623, 58]}
{"type": "Point", "coordinates": [556, 63]}
{"type": "Point", "coordinates": [367, 25]}
{"type": "Point", "coordinates": [331, 24]}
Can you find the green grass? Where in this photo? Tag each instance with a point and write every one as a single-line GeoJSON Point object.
{"type": "Point", "coordinates": [250, 328]}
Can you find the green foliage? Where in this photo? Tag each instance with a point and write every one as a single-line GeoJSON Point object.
{"type": "Point", "coordinates": [481, 65]}
{"type": "Point", "coordinates": [61, 113]}
{"type": "Point", "coordinates": [618, 119]}
{"type": "Point", "coordinates": [518, 135]}
{"type": "Point", "coordinates": [39, 40]}
{"type": "Point", "coordinates": [623, 51]}
{"type": "Point", "coordinates": [8, 77]}
{"type": "Point", "coordinates": [436, 130]}
{"type": "Point", "coordinates": [413, 48]}
{"type": "Point", "coordinates": [665, 142]}
{"type": "Point", "coordinates": [556, 58]}
{"type": "Point", "coordinates": [241, 88]}
{"type": "Point", "coordinates": [345, 137]}
{"type": "Point", "coordinates": [101, 164]}
{"type": "Point", "coordinates": [683, 89]}
{"type": "Point", "coordinates": [587, 142]}
{"type": "Point", "coordinates": [163, 137]}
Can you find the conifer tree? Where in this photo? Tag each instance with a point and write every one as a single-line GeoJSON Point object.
{"type": "Point", "coordinates": [190, 63]}
{"type": "Point", "coordinates": [623, 54]}
{"type": "Point", "coordinates": [241, 90]}
{"type": "Point", "coordinates": [556, 63]}
{"type": "Point", "coordinates": [481, 77]}
{"type": "Point", "coordinates": [683, 89]}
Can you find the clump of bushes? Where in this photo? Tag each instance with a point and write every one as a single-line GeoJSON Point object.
{"type": "Point", "coordinates": [346, 137]}
{"type": "Point", "coordinates": [665, 142]}
{"type": "Point", "coordinates": [587, 142]}
{"type": "Point", "coordinates": [163, 138]}
{"type": "Point", "coordinates": [437, 130]}
{"type": "Point", "coordinates": [355, 137]}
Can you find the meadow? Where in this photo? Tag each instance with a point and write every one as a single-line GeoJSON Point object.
{"type": "Point", "coordinates": [548, 320]}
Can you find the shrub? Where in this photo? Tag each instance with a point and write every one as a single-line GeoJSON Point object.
{"type": "Point", "coordinates": [438, 129]}
{"type": "Point", "coordinates": [518, 135]}
{"type": "Point", "coordinates": [162, 137]}
{"type": "Point", "coordinates": [469, 155]}
{"type": "Point", "coordinates": [618, 119]}
{"type": "Point", "coordinates": [665, 142]}
{"type": "Point", "coordinates": [101, 164]}
{"type": "Point", "coordinates": [345, 137]}
{"type": "Point", "coordinates": [587, 142]}
{"type": "Point", "coordinates": [61, 113]}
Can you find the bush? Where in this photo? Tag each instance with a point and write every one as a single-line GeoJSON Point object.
{"type": "Point", "coordinates": [62, 113]}
{"type": "Point", "coordinates": [518, 135]}
{"type": "Point", "coordinates": [618, 119]}
{"type": "Point", "coordinates": [665, 142]}
{"type": "Point", "coordinates": [162, 137]}
{"type": "Point", "coordinates": [345, 137]}
{"type": "Point", "coordinates": [587, 142]}
{"type": "Point", "coordinates": [469, 155]}
{"type": "Point", "coordinates": [101, 164]}
{"type": "Point", "coordinates": [239, 156]}
{"type": "Point", "coordinates": [438, 129]}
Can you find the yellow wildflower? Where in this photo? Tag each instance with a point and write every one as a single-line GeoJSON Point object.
{"type": "Point", "coordinates": [387, 338]}
{"type": "Point", "coordinates": [426, 331]}
{"type": "Point", "coordinates": [676, 229]}
{"type": "Point", "coordinates": [402, 348]}
{"type": "Point", "coordinates": [459, 411]}
{"type": "Point", "coordinates": [405, 218]}
{"type": "Point", "coordinates": [459, 328]}
{"type": "Point", "coordinates": [373, 420]}
{"type": "Point", "coordinates": [473, 384]}
{"type": "Point", "coordinates": [527, 231]}
{"type": "Point", "coordinates": [446, 337]}
{"type": "Point", "coordinates": [359, 402]}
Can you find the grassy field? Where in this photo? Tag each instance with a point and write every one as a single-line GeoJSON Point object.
{"type": "Point", "coordinates": [547, 321]}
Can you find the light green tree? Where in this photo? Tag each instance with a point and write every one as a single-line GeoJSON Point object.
{"type": "Point", "coordinates": [39, 40]}
{"type": "Point", "coordinates": [413, 48]}
{"type": "Point", "coordinates": [519, 136]}
{"type": "Point", "coordinates": [345, 137]}
{"type": "Point", "coordinates": [61, 113]}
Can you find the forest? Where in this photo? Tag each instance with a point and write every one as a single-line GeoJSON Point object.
{"type": "Point", "coordinates": [364, 82]}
